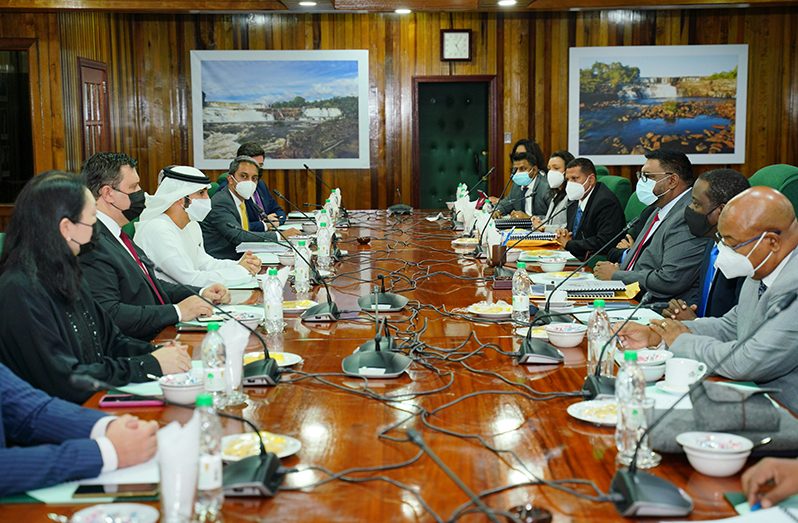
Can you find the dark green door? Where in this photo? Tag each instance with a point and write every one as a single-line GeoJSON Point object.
{"type": "Point", "coordinates": [453, 138]}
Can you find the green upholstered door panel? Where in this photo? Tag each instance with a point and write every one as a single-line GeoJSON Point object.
{"type": "Point", "coordinates": [453, 138]}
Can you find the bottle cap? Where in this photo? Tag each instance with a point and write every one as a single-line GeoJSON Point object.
{"type": "Point", "coordinates": [521, 265]}
{"type": "Point", "coordinates": [272, 272]}
{"type": "Point", "coordinates": [204, 400]}
{"type": "Point", "coordinates": [213, 326]}
{"type": "Point", "coordinates": [630, 355]}
{"type": "Point", "coordinates": [323, 211]}
{"type": "Point", "coordinates": [322, 224]}
{"type": "Point", "coordinates": [598, 303]}
{"type": "Point", "coordinates": [301, 243]}
{"type": "Point", "coordinates": [327, 201]}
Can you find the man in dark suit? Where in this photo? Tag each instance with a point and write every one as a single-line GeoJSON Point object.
{"type": "Point", "coordinates": [45, 441]}
{"type": "Point", "coordinates": [530, 194]}
{"type": "Point", "coordinates": [121, 277]}
{"type": "Point", "coordinates": [711, 193]}
{"type": "Point", "coordinates": [665, 258]}
{"type": "Point", "coordinates": [228, 223]}
{"type": "Point", "coordinates": [262, 206]}
{"type": "Point", "coordinates": [594, 214]}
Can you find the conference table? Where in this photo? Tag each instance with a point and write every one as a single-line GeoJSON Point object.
{"type": "Point", "coordinates": [500, 426]}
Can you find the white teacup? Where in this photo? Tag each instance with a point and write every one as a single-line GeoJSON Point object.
{"type": "Point", "coordinates": [680, 373]}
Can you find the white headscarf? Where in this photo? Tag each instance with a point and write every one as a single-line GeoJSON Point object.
{"type": "Point", "coordinates": [176, 182]}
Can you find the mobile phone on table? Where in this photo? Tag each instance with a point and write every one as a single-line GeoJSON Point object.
{"type": "Point", "coordinates": [128, 490]}
{"type": "Point", "coordinates": [115, 401]}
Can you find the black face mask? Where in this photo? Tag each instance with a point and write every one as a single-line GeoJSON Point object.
{"type": "Point", "coordinates": [89, 245]}
{"type": "Point", "coordinates": [136, 205]}
{"type": "Point", "coordinates": [698, 223]}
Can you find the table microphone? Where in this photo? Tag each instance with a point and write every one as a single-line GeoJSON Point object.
{"type": "Point", "coordinates": [484, 178]}
{"type": "Point", "coordinates": [258, 476]}
{"type": "Point", "coordinates": [614, 239]}
{"type": "Point", "coordinates": [478, 248]}
{"type": "Point", "coordinates": [643, 494]}
{"type": "Point", "coordinates": [323, 312]}
{"type": "Point", "coordinates": [293, 206]}
{"type": "Point", "coordinates": [380, 326]}
{"type": "Point", "coordinates": [400, 208]}
{"type": "Point", "coordinates": [596, 384]}
{"type": "Point", "coordinates": [415, 437]}
{"type": "Point", "coordinates": [373, 301]}
{"type": "Point", "coordinates": [344, 212]}
{"type": "Point", "coordinates": [255, 374]}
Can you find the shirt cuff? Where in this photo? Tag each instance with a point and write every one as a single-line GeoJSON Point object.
{"type": "Point", "coordinates": [623, 254]}
{"type": "Point", "coordinates": [177, 310]}
{"type": "Point", "coordinates": [107, 450]}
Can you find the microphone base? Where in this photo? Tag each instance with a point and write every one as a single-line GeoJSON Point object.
{"type": "Point", "coordinates": [255, 476]}
{"type": "Point", "coordinates": [261, 373]}
{"type": "Point", "coordinates": [502, 272]}
{"type": "Point", "coordinates": [386, 344]}
{"type": "Point", "coordinates": [394, 302]}
{"type": "Point", "coordinates": [536, 351]}
{"type": "Point", "coordinates": [377, 364]}
{"type": "Point", "coordinates": [597, 386]}
{"type": "Point", "coordinates": [643, 494]}
{"type": "Point", "coordinates": [400, 208]}
{"type": "Point", "coordinates": [322, 313]}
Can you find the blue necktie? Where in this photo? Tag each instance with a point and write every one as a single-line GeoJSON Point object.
{"type": "Point", "coordinates": [762, 288]}
{"type": "Point", "coordinates": [707, 286]}
{"type": "Point", "coordinates": [577, 219]}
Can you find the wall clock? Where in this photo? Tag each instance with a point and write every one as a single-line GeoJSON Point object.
{"type": "Point", "coordinates": [456, 45]}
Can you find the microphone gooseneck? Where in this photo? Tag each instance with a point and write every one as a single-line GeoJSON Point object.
{"type": "Point", "coordinates": [485, 227]}
{"type": "Point", "coordinates": [292, 204]}
{"type": "Point", "coordinates": [482, 179]}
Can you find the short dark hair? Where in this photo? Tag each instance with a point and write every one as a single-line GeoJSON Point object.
{"type": "Point", "coordinates": [104, 169]}
{"type": "Point", "coordinates": [724, 184]}
{"type": "Point", "coordinates": [527, 155]}
{"type": "Point", "coordinates": [239, 160]}
{"type": "Point", "coordinates": [674, 162]}
{"type": "Point", "coordinates": [585, 164]}
{"type": "Point", "coordinates": [251, 149]}
{"type": "Point", "coordinates": [564, 155]}
{"type": "Point", "coordinates": [533, 147]}
{"type": "Point", "coordinates": [34, 244]}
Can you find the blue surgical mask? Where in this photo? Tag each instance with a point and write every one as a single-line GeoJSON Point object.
{"type": "Point", "coordinates": [645, 191]}
{"type": "Point", "coordinates": [522, 178]}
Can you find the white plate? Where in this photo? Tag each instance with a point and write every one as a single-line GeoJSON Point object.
{"type": "Point", "coordinates": [597, 412]}
{"type": "Point", "coordinates": [121, 512]}
{"type": "Point", "coordinates": [475, 310]}
{"type": "Point", "coordinates": [556, 277]}
{"type": "Point", "coordinates": [297, 306]}
{"type": "Point", "coordinates": [538, 255]}
{"type": "Point", "coordinates": [670, 390]}
{"type": "Point", "coordinates": [283, 359]}
{"type": "Point", "coordinates": [240, 446]}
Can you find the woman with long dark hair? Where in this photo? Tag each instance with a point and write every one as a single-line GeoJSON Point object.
{"type": "Point", "coordinates": [50, 327]}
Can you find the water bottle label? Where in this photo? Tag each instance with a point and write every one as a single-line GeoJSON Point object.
{"type": "Point", "coordinates": [210, 472]}
{"type": "Point", "coordinates": [214, 379]}
{"type": "Point", "coordinates": [521, 303]}
{"type": "Point", "coordinates": [324, 249]}
{"type": "Point", "coordinates": [274, 310]}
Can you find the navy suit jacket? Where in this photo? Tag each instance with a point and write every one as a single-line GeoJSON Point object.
{"type": "Point", "coordinates": [602, 219]}
{"type": "Point", "coordinates": [724, 293]}
{"type": "Point", "coordinates": [270, 206]}
{"type": "Point", "coordinates": [222, 231]}
{"type": "Point", "coordinates": [43, 440]}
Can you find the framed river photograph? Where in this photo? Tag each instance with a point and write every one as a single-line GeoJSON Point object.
{"type": "Point", "coordinates": [303, 107]}
{"type": "Point", "coordinates": [627, 101]}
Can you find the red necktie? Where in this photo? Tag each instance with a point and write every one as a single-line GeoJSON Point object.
{"type": "Point", "coordinates": [129, 244]}
{"type": "Point", "coordinates": [642, 244]}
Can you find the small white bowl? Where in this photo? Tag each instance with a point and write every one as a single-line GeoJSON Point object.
{"type": "Point", "coordinates": [653, 372]}
{"type": "Point", "coordinates": [286, 258]}
{"type": "Point", "coordinates": [309, 228]}
{"type": "Point", "coordinates": [714, 464]}
{"type": "Point", "coordinates": [552, 265]}
{"type": "Point", "coordinates": [714, 442]}
{"type": "Point", "coordinates": [566, 334]}
{"type": "Point", "coordinates": [182, 388]}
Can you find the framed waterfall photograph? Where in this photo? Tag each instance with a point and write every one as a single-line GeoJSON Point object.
{"type": "Point", "coordinates": [303, 107]}
{"type": "Point", "coordinates": [624, 102]}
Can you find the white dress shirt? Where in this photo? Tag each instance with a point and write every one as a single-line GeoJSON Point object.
{"type": "Point", "coordinates": [181, 252]}
{"type": "Point", "coordinates": [107, 450]}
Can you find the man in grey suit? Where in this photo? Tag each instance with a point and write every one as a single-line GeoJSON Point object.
{"type": "Point", "coordinates": [665, 258]}
{"type": "Point", "coordinates": [227, 225]}
{"type": "Point", "coordinates": [530, 194]}
{"type": "Point", "coordinates": [758, 239]}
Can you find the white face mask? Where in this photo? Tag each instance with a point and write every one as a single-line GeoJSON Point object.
{"type": "Point", "coordinates": [198, 209]}
{"type": "Point", "coordinates": [246, 189]}
{"type": "Point", "coordinates": [555, 178]}
{"type": "Point", "coordinates": [575, 191]}
{"type": "Point", "coordinates": [734, 265]}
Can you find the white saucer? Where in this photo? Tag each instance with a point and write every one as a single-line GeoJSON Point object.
{"type": "Point", "coordinates": [117, 512]}
{"type": "Point", "coordinates": [671, 390]}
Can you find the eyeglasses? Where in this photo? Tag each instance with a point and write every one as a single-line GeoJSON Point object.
{"type": "Point", "coordinates": [719, 239]}
{"type": "Point", "coordinates": [646, 176]}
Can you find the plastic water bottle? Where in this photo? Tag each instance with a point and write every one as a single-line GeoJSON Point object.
{"type": "Point", "coordinates": [214, 356]}
{"type": "Point", "coordinates": [330, 208]}
{"type": "Point", "coordinates": [301, 268]}
{"type": "Point", "coordinates": [273, 303]}
{"type": "Point", "coordinates": [321, 217]}
{"type": "Point", "coordinates": [210, 493]}
{"type": "Point", "coordinates": [521, 287]}
{"type": "Point", "coordinates": [630, 391]}
{"type": "Point", "coordinates": [598, 332]}
{"type": "Point", "coordinates": [323, 241]}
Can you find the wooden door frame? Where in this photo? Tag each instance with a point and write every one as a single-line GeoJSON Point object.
{"type": "Point", "coordinates": [29, 45]}
{"type": "Point", "coordinates": [493, 126]}
{"type": "Point", "coordinates": [93, 64]}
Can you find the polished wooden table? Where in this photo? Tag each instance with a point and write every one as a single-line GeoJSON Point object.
{"type": "Point", "coordinates": [482, 394]}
